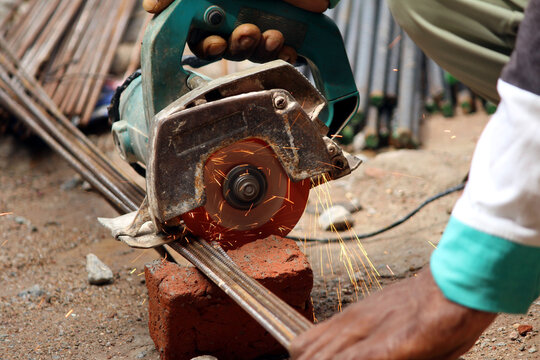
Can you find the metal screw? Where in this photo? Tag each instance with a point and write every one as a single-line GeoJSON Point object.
{"type": "Point", "coordinates": [244, 187]}
{"type": "Point", "coordinates": [280, 102]}
{"type": "Point", "coordinates": [332, 149]}
{"type": "Point", "coordinates": [214, 16]}
{"type": "Point", "coordinates": [248, 189]}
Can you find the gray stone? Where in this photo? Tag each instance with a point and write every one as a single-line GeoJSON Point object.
{"type": "Point", "coordinates": [513, 335]}
{"type": "Point", "coordinates": [533, 349]}
{"type": "Point", "coordinates": [33, 291]}
{"type": "Point", "coordinates": [72, 183]}
{"type": "Point", "coordinates": [21, 220]}
{"type": "Point", "coordinates": [337, 217]}
{"type": "Point", "coordinates": [24, 221]}
{"type": "Point", "coordinates": [352, 206]}
{"type": "Point", "coordinates": [86, 186]}
{"type": "Point", "coordinates": [98, 272]}
{"type": "Point", "coordinates": [142, 354]}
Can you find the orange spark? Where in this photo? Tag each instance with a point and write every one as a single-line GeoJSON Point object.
{"type": "Point", "coordinates": [394, 42]}
{"type": "Point", "coordinates": [250, 207]}
{"type": "Point", "coordinates": [68, 313]}
{"type": "Point", "coordinates": [297, 116]}
{"type": "Point", "coordinates": [141, 254]}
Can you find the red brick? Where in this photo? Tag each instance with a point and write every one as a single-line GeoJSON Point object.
{"type": "Point", "coordinates": [190, 316]}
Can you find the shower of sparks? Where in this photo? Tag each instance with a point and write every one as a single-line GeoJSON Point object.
{"type": "Point", "coordinates": [68, 313]}
{"type": "Point", "coordinates": [352, 255]}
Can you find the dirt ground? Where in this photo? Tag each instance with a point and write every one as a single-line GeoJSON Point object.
{"type": "Point", "coordinates": [48, 226]}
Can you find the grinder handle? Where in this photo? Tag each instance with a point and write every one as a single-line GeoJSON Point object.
{"type": "Point", "coordinates": [314, 36]}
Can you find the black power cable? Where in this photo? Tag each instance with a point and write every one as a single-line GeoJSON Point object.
{"type": "Point", "coordinates": [391, 226]}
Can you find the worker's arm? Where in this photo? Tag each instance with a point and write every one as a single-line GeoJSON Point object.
{"type": "Point", "coordinates": [246, 41]}
{"type": "Point", "coordinates": [488, 260]}
{"type": "Point", "coordinates": [408, 320]}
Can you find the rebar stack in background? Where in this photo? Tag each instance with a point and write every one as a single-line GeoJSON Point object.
{"type": "Point", "coordinates": [68, 46]}
{"type": "Point", "coordinates": [398, 84]}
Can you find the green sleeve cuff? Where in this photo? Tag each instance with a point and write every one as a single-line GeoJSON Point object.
{"type": "Point", "coordinates": [486, 272]}
{"type": "Point", "coordinates": [333, 3]}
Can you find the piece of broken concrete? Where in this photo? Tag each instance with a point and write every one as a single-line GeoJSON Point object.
{"type": "Point", "coordinates": [98, 272]}
{"type": "Point", "coordinates": [337, 217]}
{"type": "Point", "coordinates": [34, 291]}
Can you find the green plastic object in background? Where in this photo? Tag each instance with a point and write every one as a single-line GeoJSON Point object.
{"type": "Point", "coordinates": [314, 36]}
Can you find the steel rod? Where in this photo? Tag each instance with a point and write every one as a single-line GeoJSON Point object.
{"type": "Point", "coordinates": [17, 110]}
{"type": "Point", "coordinates": [39, 93]}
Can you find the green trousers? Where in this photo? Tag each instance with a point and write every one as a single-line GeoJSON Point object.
{"type": "Point", "coordinates": [471, 39]}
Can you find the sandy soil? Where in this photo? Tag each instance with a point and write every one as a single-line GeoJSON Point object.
{"type": "Point", "coordinates": [49, 311]}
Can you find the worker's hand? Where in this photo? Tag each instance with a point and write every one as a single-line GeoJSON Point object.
{"type": "Point", "coordinates": [246, 41]}
{"type": "Point", "coordinates": [408, 320]}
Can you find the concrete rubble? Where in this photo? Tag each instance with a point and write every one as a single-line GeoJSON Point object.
{"type": "Point", "coordinates": [98, 272]}
{"type": "Point", "coordinates": [337, 217]}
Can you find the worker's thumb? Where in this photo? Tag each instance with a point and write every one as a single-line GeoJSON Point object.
{"type": "Point", "coordinates": [156, 6]}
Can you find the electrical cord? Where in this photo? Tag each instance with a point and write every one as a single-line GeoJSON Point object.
{"type": "Point", "coordinates": [391, 226]}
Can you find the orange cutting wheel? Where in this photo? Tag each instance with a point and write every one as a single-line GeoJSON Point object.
{"type": "Point", "coordinates": [248, 196]}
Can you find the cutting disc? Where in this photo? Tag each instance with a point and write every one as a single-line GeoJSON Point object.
{"type": "Point", "coordinates": [248, 196]}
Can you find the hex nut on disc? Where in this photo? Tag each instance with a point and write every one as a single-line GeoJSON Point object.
{"type": "Point", "coordinates": [276, 213]}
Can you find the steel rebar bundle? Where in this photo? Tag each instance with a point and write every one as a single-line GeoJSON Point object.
{"type": "Point", "coordinates": [68, 46]}
{"type": "Point", "coordinates": [397, 83]}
